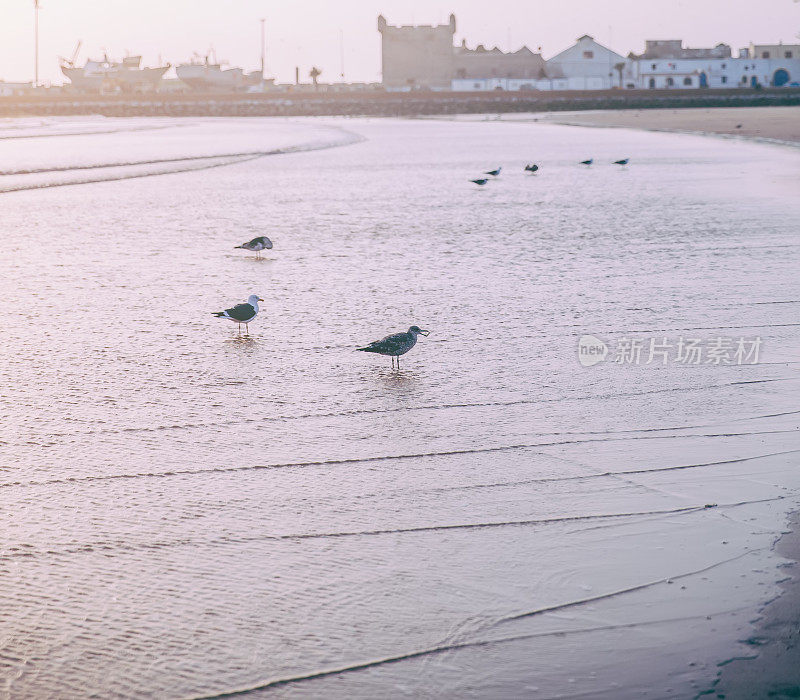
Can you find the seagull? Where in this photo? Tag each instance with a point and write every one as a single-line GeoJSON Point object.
{"type": "Point", "coordinates": [257, 245]}
{"type": "Point", "coordinates": [396, 344]}
{"type": "Point", "coordinates": [624, 161]}
{"type": "Point", "coordinates": [493, 173]}
{"type": "Point", "coordinates": [242, 313]}
{"type": "Point", "coordinates": [532, 168]}
{"type": "Point", "coordinates": [587, 162]}
{"type": "Point", "coordinates": [481, 181]}
{"type": "Point", "coordinates": [738, 126]}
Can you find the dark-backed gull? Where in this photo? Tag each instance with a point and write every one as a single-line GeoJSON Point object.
{"type": "Point", "coordinates": [624, 161]}
{"type": "Point", "coordinates": [242, 313]}
{"type": "Point", "coordinates": [481, 181]}
{"type": "Point", "coordinates": [396, 344]}
{"type": "Point", "coordinates": [587, 162]}
{"type": "Point", "coordinates": [493, 173]}
{"type": "Point", "coordinates": [257, 245]}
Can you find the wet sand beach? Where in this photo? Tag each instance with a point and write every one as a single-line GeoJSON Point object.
{"type": "Point", "coordinates": [767, 123]}
{"type": "Point", "coordinates": [187, 513]}
{"type": "Point", "coordinates": [772, 668]}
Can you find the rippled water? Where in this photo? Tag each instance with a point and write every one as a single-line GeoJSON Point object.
{"type": "Point", "coordinates": [186, 512]}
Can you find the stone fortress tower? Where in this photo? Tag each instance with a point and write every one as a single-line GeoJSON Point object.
{"type": "Point", "coordinates": [417, 56]}
{"type": "Point", "coordinates": [424, 57]}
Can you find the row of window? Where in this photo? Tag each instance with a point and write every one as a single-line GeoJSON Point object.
{"type": "Point", "coordinates": [786, 54]}
{"type": "Point", "coordinates": [675, 67]}
{"type": "Point", "coordinates": [671, 82]}
{"type": "Point", "coordinates": [688, 81]}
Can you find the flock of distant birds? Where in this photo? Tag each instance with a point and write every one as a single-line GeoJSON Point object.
{"type": "Point", "coordinates": [532, 168]}
{"type": "Point", "coordinates": [392, 345]}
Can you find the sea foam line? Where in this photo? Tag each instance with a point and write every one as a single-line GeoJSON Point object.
{"type": "Point", "coordinates": [110, 548]}
{"type": "Point", "coordinates": [434, 407]}
{"type": "Point", "coordinates": [231, 160]}
{"type": "Point", "coordinates": [277, 682]}
{"type": "Point", "coordinates": [362, 460]}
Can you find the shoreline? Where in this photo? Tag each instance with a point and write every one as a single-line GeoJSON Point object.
{"type": "Point", "coordinates": [779, 125]}
{"type": "Point", "coordinates": [774, 670]}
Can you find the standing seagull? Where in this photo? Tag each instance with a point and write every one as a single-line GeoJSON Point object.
{"type": "Point", "coordinates": [587, 162]}
{"type": "Point", "coordinates": [624, 161]}
{"type": "Point", "coordinates": [493, 173]}
{"type": "Point", "coordinates": [396, 344]}
{"type": "Point", "coordinates": [481, 181]}
{"type": "Point", "coordinates": [242, 313]}
{"type": "Point", "coordinates": [532, 168]}
{"type": "Point", "coordinates": [257, 245]}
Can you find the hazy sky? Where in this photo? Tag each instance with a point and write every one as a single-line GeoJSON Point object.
{"type": "Point", "coordinates": [307, 32]}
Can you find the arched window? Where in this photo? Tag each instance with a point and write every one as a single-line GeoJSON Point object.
{"type": "Point", "coordinates": [687, 80]}
{"type": "Point", "coordinates": [652, 83]}
{"type": "Point", "coordinates": [670, 82]}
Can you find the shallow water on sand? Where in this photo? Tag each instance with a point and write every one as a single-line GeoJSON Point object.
{"type": "Point", "coordinates": [187, 512]}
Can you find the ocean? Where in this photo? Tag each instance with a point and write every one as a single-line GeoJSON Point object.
{"type": "Point", "coordinates": [569, 489]}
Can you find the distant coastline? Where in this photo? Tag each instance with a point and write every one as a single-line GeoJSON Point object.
{"type": "Point", "coordinates": [389, 104]}
{"type": "Point", "coordinates": [777, 125]}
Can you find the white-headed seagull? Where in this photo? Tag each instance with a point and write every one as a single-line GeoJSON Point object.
{"type": "Point", "coordinates": [242, 313]}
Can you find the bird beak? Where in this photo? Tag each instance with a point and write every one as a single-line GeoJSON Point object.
{"type": "Point", "coordinates": [425, 333]}
{"type": "Point", "coordinates": [260, 299]}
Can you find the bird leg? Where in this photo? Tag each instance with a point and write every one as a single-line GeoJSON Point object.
{"type": "Point", "coordinates": [247, 329]}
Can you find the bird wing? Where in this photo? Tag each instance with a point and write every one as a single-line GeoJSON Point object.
{"type": "Point", "coordinates": [390, 343]}
{"type": "Point", "coordinates": [241, 312]}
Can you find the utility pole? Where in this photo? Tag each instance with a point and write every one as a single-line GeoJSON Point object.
{"type": "Point", "coordinates": [36, 42]}
{"type": "Point", "coordinates": [263, 49]}
{"type": "Point", "coordinates": [341, 53]}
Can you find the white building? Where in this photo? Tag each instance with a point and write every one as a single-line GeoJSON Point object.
{"type": "Point", "coordinates": [683, 73]}
{"type": "Point", "coordinates": [588, 65]}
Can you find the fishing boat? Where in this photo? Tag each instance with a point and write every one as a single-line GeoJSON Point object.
{"type": "Point", "coordinates": [206, 75]}
{"type": "Point", "coordinates": [113, 76]}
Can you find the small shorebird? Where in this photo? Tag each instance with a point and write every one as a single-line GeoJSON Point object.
{"type": "Point", "coordinates": [587, 162]}
{"type": "Point", "coordinates": [624, 161]}
{"type": "Point", "coordinates": [242, 313]}
{"type": "Point", "coordinates": [481, 181]}
{"type": "Point", "coordinates": [257, 245]}
{"type": "Point", "coordinates": [493, 173]}
{"type": "Point", "coordinates": [396, 344]}
{"type": "Point", "coordinates": [532, 168]}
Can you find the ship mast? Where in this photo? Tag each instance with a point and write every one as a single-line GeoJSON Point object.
{"type": "Point", "coordinates": [36, 42]}
{"type": "Point", "coordinates": [263, 49]}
